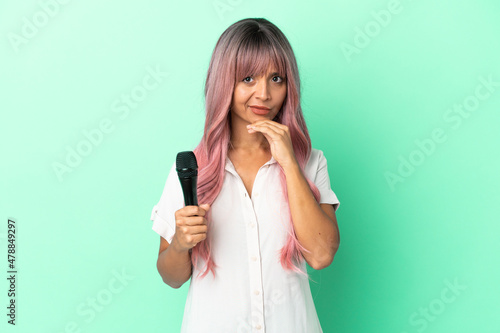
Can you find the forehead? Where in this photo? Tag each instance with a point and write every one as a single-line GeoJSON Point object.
{"type": "Point", "coordinates": [271, 70]}
{"type": "Point", "coordinates": [259, 61]}
{"type": "Point", "coordinates": [266, 71]}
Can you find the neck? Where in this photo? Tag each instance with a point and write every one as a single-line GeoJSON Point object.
{"type": "Point", "coordinates": [263, 147]}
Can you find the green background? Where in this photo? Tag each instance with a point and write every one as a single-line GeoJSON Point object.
{"type": "Point", "coordinates": [402, 246]}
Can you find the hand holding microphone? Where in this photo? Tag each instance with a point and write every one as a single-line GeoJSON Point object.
{"type": "Point", "coordinates": [190, 221]}
{"type": "Point", "coordinates": [190, 226]}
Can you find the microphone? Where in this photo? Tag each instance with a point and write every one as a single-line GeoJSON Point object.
{"type": "Point", "coordinates": [187, 170]}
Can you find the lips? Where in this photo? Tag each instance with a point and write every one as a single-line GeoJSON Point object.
{"type": "Point", "coordinates": [260, 110]}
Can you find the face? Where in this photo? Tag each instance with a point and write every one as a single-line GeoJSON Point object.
{"type": "Point", "coordinates": [267, 91]}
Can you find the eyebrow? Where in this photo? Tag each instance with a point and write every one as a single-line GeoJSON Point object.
{"type": "Point", "coordinates": [276, 73]}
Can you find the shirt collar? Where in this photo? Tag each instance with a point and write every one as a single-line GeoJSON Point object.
{"type": "Point", "coordinates": [230, 167]}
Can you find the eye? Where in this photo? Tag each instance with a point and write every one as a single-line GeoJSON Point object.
{"type": "Point", "coordinates": [279, 78]}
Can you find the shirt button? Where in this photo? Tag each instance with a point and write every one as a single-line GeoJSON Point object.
{"type": "Point", "coordinates": [254, 258]}
{"type": "Point", "coordinates": [252, 225]}
{"type": "Point", "coordinates": [258, 327]}
{"type": "Point", "coordinates": [256, 292]}
{"type": "Point", "coordinates": [256, 195]}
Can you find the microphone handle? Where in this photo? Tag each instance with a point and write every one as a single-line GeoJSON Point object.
{"type": "Point", "coordinates": [189, 189]}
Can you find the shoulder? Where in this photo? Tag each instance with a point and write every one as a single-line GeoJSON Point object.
{"type": "Point", "coordinates": [316, 154]}
{"type": "Point", "coordinates": [314, 163]}
{"type": "Point", "coordinates": [172, 184]}
{"type": "Point", "coordinates": [316, 157]}
{"type": "Point", "coordinates": [172, 173]}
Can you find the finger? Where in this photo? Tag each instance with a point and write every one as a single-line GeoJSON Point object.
{"type": "Point", "coordinates": [205, 208]}
{"type": "Point", "coordinates": [195, 239]}
{"type": "Point", "coordinates": [272, 132]}
{"type": "Point", "coordinates": [192, 211]}
{"type": "Point", "coordinates": [198, 229]}
{"type": "Point", "coordinates": [193, 220]}
{"type": "Point", "coordinates": [199, 237]}
{"type": "Point", "coordinates": [271, 124]}
{"type": "Point", "coordinates": [267, 125]}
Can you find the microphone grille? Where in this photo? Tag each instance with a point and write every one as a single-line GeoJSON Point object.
{"type": "Point", "coordinates": [186, 164]}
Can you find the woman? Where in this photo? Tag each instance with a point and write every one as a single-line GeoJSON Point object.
{"type": "Point", "coordinates": [269, 206]}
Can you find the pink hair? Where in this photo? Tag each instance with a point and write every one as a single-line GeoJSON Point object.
{"type": "Point", "coordinates": [244, 49]}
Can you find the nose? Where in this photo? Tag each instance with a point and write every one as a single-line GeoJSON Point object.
{"type": "Point", "coordinates": [262, 89]}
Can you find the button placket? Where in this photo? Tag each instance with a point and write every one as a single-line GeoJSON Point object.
{"type": "Point", "coordinates": [254, 262]}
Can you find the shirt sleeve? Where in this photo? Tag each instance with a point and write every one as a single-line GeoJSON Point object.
{"type": "Point", "coordinates": [322, 181]}
{"type": "Point", "coordinates": [171, 200]}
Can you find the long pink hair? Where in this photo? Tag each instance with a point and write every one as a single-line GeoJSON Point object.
{"type": "Point", "coordinates": [247, 48]}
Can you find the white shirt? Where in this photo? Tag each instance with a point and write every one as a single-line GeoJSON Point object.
{"type": "Point", "coordinates": [251, 291]}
